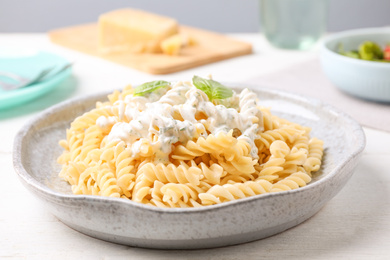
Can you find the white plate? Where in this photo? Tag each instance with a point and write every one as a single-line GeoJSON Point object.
{"type": "Point", "coordinates": [121, 221]}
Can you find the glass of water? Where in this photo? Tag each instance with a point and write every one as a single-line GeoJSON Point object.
{"type": "Point", "coordinates": [293, 24]}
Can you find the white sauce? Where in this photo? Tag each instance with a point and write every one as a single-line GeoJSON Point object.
{"type": "Point", "coordinates": [171, 115]}
{"type": "Point", "coordinates": [105, 122]}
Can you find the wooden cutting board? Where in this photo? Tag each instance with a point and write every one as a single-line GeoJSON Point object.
{"type": "Point", "coordinates": [210, 47]}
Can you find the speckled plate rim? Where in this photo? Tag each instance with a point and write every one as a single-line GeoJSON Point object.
{"type": "Point", "coordinates": [23, 174]}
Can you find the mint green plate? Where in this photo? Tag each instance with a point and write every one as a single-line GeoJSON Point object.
{"type": "Point", "coordinates": [28, 66]}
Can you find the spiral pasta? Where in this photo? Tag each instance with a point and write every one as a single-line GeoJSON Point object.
{"type": "Point", "coordinates": [177, 146]}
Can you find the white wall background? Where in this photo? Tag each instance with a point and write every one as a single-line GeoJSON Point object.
{"type": "Point", "coordinates": [217, 15]}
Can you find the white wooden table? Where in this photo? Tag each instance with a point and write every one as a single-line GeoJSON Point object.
{"type": "Point", "coordinates": [353, 225]}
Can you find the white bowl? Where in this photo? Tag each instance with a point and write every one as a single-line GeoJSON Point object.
{"type": "Point", "coordinates": [364, 79]}
{"type": "Point", "coordinates": [124, 221]}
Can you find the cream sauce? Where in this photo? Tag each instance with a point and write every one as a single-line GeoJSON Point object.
{"type": "Point", "coordinates": [172, 115]}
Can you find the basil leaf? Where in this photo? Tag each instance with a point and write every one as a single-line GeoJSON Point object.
{"type": "Point", "coordinates": [149, 87]}
{"type": "Point", "coordinates": [213, 89]}
{"type": "Point", "coordinates": [203, 84]}
{"type": "Point", "coordinates": [220, 91]}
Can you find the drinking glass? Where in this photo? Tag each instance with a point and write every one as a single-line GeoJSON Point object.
{"type": "Point", "coordinates": [293, 24]}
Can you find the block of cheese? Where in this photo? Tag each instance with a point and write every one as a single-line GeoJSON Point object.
{"type": "Point", "coordinates": [136, 31]}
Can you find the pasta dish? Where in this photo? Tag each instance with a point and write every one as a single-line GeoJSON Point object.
{"type": "Point", "coordinates": [186, 144]}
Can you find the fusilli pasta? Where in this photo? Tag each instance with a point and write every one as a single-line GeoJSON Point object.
{"type": "Point", "coordinates": [176, 145]}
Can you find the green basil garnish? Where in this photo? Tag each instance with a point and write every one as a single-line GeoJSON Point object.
{"type": "Point", "coordinates": [213, 89]}
{"type": "Point", "coordinates": [149, 87]}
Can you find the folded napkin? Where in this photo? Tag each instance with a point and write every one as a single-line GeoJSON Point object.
{"type": "Point", "coordinates": [308, 79]}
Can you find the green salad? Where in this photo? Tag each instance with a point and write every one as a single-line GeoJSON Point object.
{"type": "Point", "coordinates": [368, 51]}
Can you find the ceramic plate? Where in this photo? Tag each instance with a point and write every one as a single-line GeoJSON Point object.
{"type": "Point", "coordinates": [28, 64]}
{"type": "Point", "coordinates": [126, 222]}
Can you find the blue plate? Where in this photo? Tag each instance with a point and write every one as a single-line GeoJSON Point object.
{"type": "Point", "coordinates": [29, 66]}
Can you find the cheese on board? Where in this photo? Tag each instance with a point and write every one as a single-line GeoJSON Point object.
{"type": "Point", "coordinates": [174, 44]}
{"type": "Point", "coordinates": [136, 31]}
